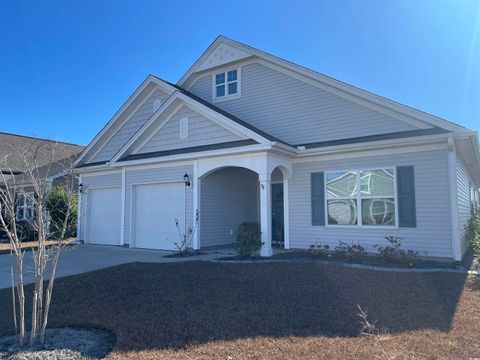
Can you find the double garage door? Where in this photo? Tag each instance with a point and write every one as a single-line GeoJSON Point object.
{"type": "Point", "coordinates": [154, 210]}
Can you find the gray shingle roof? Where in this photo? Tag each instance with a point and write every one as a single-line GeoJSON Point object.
{"type": "Point", "coordinates": [12, 145]}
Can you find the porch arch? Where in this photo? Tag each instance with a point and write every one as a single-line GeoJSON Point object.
{"type": "Point", "coordinates": [229, 196]}
{"type": "Point", "coordinates": [263, 165]}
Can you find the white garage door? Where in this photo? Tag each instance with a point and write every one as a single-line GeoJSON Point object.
{"type": "Point", "coordinates": [104, 214]}
{"type": "Point", "coordinates": [156, 206]}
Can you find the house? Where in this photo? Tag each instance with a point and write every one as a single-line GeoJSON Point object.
{"type": "Point", "coordinates": [246, 136]}
{"type": "Point", "coordinates": [47, 158]}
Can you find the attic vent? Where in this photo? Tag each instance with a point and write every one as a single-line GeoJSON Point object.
{"type": "Point", "coordinates": [156, 105]}
{"type": "Point", "coordinates": [183, 128]}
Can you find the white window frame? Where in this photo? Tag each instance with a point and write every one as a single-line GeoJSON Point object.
{"type": "Point", "coordinates": [24, 206]}
{"type": "Point", "coordinates": [227, 96]}
{"type": "Point", "coordinates": [358, 198]}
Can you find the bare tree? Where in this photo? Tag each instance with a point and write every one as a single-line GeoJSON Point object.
{"type": "Point", "coordinates": [30, 219]}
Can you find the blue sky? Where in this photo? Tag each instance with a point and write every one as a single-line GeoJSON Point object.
{"type": "Point", "coordinates": [67, 66]}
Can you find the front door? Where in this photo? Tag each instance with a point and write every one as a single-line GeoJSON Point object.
{"type": "Point", "coordinates": [277, 215]}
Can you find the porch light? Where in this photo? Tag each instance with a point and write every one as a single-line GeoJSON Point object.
{"type": "Point", "coordinates": [80, 188]}
{"type": "Point", "coordinates": [186, 180]}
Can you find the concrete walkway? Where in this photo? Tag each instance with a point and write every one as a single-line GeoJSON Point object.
{"type": "Point", "coordinates": [83, 258]}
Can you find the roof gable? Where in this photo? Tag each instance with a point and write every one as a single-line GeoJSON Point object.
{"type": "Point", "coordinates": [328, 83]}
{"type": "Point", "coordinates": [150, 89]}
{"type": "Point", "coordinates": [156, 135]}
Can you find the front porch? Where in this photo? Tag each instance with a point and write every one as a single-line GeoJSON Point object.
{"type": "Point", "coordinates": [229, 191]}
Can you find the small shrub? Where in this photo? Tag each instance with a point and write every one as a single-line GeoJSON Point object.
{"type": "Point", "coordinates": [369, 328]}
{"type": "Point", "coordinates": [350, 252]}
{"type": "Point", "coordinates": [319, 250]}
{"type": "Point", "coordinates": [186, 237]}
{"type": "Point", "coordinates": [58, 204]}
{"type": "Point", "coordinates": [473, 231]}
{"type": "Point", "coordinates": [394, 252]}
{"type": "Point", "coordinates": [248, 241]}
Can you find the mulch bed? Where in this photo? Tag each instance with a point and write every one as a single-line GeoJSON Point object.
{"type": "Point", "coordinates": [184, 254]}
{"type": "Point", "coordinates": [203, 310]}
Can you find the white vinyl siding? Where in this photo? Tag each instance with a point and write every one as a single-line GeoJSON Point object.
{"type": "Point", "coordinates": [295, 111]}
{"type": "Point", "coordinates": [91, 182]}
{"type": "Point", "coordinates": [432, 236]}
{"type": "Point", "coordinates": [201, 131]}
{"type": "Point", "coordinates": [138, 119]}
{"type": "Point", "coordinates": [155, 176]}
{"type": "Point", "coordinates": [464, 203]}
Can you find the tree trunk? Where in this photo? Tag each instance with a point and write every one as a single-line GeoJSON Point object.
{"type": "Point", "coordinates": [21, 299]}
{"type": "Point", "coordinates": [48, 297]}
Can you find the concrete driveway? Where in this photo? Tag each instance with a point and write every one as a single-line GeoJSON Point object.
{"type": "Point", "coordinates": [83, 258]}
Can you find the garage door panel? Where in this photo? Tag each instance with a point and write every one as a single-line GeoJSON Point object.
{"type": "Point", "coordinates": [104, 216]}
{"type": "Point", "coordinates": [156, 207]}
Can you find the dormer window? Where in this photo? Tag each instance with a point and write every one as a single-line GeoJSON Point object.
{"type": "Point", "coordinates": [227, 84]}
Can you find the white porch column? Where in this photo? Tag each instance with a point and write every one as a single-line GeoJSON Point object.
{"type": "Point", "coordinates": [286, 215]}
{"type": "Point", "coordinates": [196, 205]}
{"type": "Point", "coordinates": [266, 214]}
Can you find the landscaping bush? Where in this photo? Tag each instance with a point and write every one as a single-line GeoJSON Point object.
{"type": "Point", "coordinates": [473, 231]}
{"type": "Point", "coordinates": [248, 241]}
{"type": "Point", "coordinates": [319, 251]}
{"type": "Point", "coordinates": [58, 203]}
{"type": "Point", "coordinates": [350, 252]}
{"type": "Point", "coordinates": [394, 252]}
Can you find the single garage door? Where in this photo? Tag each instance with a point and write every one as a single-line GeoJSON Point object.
{"type": "Point", "coordinates": [156, 206]}
{"type": "Point", "coordinates": [104, 216]}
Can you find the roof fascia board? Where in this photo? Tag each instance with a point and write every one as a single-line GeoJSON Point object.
{"type": "Point", "coordinates": [428, 139]}
{"type": "Point", "coordinates": [150, 79]}
{"type": "Point", "coordinates": [373, 151]}
{"type": "Point", "coordinates": [198, 155]}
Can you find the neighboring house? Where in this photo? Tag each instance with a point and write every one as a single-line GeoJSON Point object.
{"type": "Point", "coordinates": [50, 157]}
{"type": "Point", "coordinates": [246, 136]}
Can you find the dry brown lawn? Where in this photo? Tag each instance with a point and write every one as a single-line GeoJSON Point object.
{"type": "Point", "coordinates": [201, 310]}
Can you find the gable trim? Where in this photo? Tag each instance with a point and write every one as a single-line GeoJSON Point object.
{"type": "Point", "coordinates": [333, 84]}
{"type": "Point", "coordinates": [168, 88]}
{"type": "Point", "coordinates": [200, 108]}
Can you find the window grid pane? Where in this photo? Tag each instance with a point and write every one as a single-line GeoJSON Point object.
{"type": "Point", "coordinates": [378, 211]}
{"type": "Point", "coordinates": [341, 184]}
{"type": "Point", "coordinates": [232, 75]}
{"type": "Point", "coordinates": [377, 182]}
{"type": "Point", "coordinates": [220, 79]}
{"type": "Point", "coordinates": [232, 88]}
{"type": "Point", "coordinates": [342, 212]}
{"type": "Point", "coordinates": [220, 90]}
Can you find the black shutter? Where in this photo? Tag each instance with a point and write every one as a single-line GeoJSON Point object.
{"type": "Point", "coordinates": [407, 216]}
{"type": "Point", "coordinates": [318, 198]}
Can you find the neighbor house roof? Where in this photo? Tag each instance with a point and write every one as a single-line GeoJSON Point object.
{"type": "Point", "coordinates": [12, 144]}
